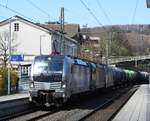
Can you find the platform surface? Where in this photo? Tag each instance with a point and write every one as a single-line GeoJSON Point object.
{"type": "Point", "coordinates": [13, 97]}
{"type": "Point", "coordinates": [138, 106]}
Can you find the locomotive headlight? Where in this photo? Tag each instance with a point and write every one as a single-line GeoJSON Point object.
{"type": "Point", "coordinates": [64, 86]}
{"type": "Point", "coordinates": [31, 85]}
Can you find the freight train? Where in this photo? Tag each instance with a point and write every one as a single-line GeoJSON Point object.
{"type": "Point", "coordinates": [56, 78]}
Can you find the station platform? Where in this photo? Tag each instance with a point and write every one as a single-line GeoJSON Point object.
{"type": "Point", "coordinates": [13, 97]}
{"type": "Point", "coordinates": [138, 106]}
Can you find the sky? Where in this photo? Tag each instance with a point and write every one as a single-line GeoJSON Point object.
{"type": "Point", "coordinates": [96, 12]}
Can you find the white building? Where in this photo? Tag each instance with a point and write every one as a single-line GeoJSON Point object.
{"type": "Point", "coordinates": [32, 39]}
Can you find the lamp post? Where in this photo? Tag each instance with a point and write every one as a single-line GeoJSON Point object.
{"type": "Point", "coordinates": [9, 60]}
{"type": "Point", "coordinates": [107, 53]}
{"type": "Point", "coordinates": [148, 6]}
{"type": "Point", "coordinates": [149, 72]}
{"type": "Point", "coordinates": [41, 43]}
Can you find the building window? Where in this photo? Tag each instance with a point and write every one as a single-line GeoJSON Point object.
{"type": "Point", "coordinates": [16, 27]}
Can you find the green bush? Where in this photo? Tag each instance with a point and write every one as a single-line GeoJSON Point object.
{"type": "Point", "coordinates": [3, 80]}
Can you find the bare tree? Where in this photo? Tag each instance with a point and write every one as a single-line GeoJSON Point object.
{"type": "Point", "coordinates": [117, 43]}
{"type": "Point", "coordinates": [4, 46]}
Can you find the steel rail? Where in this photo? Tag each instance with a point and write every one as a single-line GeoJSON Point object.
{"type": "Point", "coordinates": [106, 104]}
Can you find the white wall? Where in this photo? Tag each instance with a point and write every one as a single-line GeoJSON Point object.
{"type": "Point", "coordinates": [28, 38]}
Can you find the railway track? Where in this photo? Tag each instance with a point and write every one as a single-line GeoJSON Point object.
{"type": "Point", "coordinates": [108, 110]}
{"type": "Point", "coordinates": [13, 108]}
{"type": "Point", "coordinates": [79, 111]}
{"type": "Point", "coordinates": [36, 115]}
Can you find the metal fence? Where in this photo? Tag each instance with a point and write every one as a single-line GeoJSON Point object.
{"type": "Point", "coordinates": [127, 59]}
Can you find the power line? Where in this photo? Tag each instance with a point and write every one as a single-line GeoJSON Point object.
{"type": "Point", "coordinates": [34, 5]}
{"type": "Point", "coordinates": [134, 13]}
{"type": "Point", "coordinates": [72, 13]}
{"type": "Point", "coordinates": [14, 11]}
{"type": "Point", "coordinates": [3, 17]}
{"type": "Point", "coordinates": [85, 32]}
{"type": "Point", "coordinates": [94, 16]}
{"type": "Point", "coordinates": [6, 2]}
{"type": "Point", "coordinates": [106, 16]}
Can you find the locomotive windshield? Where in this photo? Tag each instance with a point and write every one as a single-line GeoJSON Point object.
{"type": "Point", "coordinates": [47, 65]}
{"type": "Point", "coordinates": [55, 65]}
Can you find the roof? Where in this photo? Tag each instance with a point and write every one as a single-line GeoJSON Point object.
{"type": "Point", "coordinates": [94, 38]}
{"type": "Point", "coordinates": [70, 29]}
{"type": "Point", "coordinates": [39, 26]}
{"type": "Point", "coordinates": [14, 18]}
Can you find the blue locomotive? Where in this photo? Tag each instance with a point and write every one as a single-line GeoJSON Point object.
{"type": "Point", "coordinates": [55, 78]}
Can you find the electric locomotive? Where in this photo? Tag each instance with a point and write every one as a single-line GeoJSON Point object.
{"type": "Point", "coordinates": [55, 78]}
{"type": "Point", "coordinates": [47, 80]}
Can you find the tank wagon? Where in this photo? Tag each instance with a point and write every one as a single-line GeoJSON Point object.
{"type": "Point", "coordinates": [55, 78]}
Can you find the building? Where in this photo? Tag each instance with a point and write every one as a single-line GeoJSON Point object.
{"type": "Point", "coordinates": [71, 30]}
{"type": "Point", "coordinates": [90, 48]}
{"type": "Point", "coordinates": [31, 39]}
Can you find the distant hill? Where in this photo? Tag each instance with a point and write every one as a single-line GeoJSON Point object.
{"type": "Point", "coordinates": [138, 36]}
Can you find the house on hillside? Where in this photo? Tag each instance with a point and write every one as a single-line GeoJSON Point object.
{"type": "Point", "coordinates": [32, 39]}
{"type": "Point", "coordinates": [71, 30]}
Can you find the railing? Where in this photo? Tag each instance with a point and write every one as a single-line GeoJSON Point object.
{"type": "Point", "coordinates": [127, 59]}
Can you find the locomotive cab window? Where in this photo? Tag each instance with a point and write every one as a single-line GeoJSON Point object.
{"type": "Point", "coordinates": [55, 65]}
{"type": "Point", "coordinates": [47, 65]}
{"type": "Point", "coordinates": [40, 67]}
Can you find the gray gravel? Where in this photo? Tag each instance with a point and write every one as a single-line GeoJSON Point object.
{"type": "Point", "coordinates": [72, 115]}
{"type": "Point", "coordinates": [73, 112]}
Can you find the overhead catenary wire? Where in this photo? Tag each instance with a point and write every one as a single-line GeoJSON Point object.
{"type": "Point", "coordinates": [134, 13]}
{"type": "Point", "coordinates": [103, 10]}
{"type": "Point", "coordinates": [105, 13]}
{"type": "Point", "coordinates": [3, 17]}
{"type": "Point", "coordinates": [14, 11]}
{"type": "Point", "coordinates": [6, 2]}
{"type": "Point", "coordinates": [73, 13]}
{"type": "Point", "coordinates": [106, 16]}
{"type": "Point", "coordinates": [93, 15]}
{"type": "Point", "coordinates": [34, 5]}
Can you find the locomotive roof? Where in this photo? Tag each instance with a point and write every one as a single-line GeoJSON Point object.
{"type": "Point", "coordinates": [49, 56]}
{"type": "Point", "coordinates": [75, 59]}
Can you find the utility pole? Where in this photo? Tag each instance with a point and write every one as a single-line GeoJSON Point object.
{"type": "Point", "coordinates": [142, 39]}
{"type": "Point", "coordinates": [149, 72]}
{"type": "Point", "coordinates": [9, 63]}
{"type": "Point", "coordinates": [107, 51]}
{"type": "Point", "coordinates": [62, 31]}
{"type": "Point", "coordinates": [108, 40]}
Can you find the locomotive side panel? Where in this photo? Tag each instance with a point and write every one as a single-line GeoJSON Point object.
{"type": "Point", "coordinates": [109, 77]}
{"type": "Point", "coordinates": [93, 76]}
{"type": "Point", "coordinates": [100, 76]}
{"type": "Point", "coordinates": [80, 79]}
{"type": "Point", "coordinates": [67, 75]}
